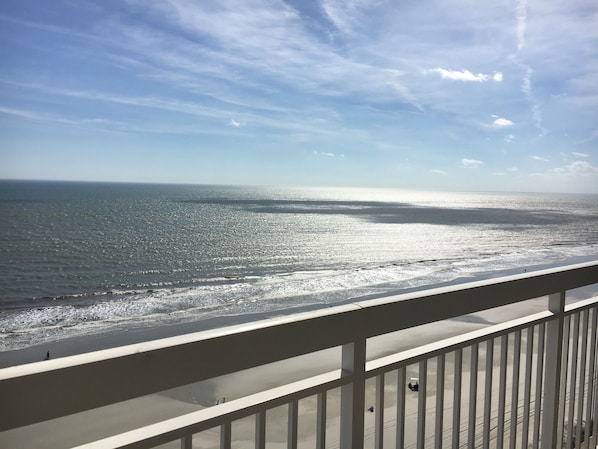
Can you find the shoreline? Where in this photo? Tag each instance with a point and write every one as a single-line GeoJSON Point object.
{"type": "Point", "coordinates": [80, 344]}
{"type": "Point", "coordinates": [116, 418]}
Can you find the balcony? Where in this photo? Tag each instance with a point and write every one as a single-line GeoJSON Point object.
{"type": "Point", "coordinates": [433, 368]}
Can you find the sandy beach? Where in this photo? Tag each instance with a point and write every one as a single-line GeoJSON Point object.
{"type": "Point", "coordinates": [105, 421]}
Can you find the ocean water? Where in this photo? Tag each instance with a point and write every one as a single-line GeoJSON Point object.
{"type": "Point", "coordinates": [83, 258]}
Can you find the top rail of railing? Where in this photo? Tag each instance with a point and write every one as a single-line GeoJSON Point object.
{"type": "Point", "coordinates": [50, 389]}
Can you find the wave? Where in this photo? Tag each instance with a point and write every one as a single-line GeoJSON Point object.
{"type": "Point", "coordinates": [82, 314]}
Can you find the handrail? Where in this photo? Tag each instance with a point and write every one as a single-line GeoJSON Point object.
{"type": "Point", "coordinates": [45, 390]}
{"type": "Point", "coordinates": [202, 420]}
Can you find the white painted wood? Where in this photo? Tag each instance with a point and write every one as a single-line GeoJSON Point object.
{"type": "Point", "coordinates": [473, 396]}
{"type": "Point", "coordinates": [458, 367]}
{"type": "Point", "coordinates": [572, 378]}
{"type": "Point", "coordinates": [539, 382]}
{"type": "Point", "coordinates": [187, 442]}
{"type": "Point", "coordinates": [502, 390]}
{"type": "Point", "coordinates": [293, 421]}
{"type": "Point", "coordinates": [353, 395]}
{"type": "Point", "coordinates": [513, 432]}
{"type": "Point", "coordinates": [592, 384]}
{"type": "Point", "coordinates": [225, 435]}
{"type": "Point", "coordinates": [400, 419]}
{"type": "Point", "coordinates": [439, 415]}
{"type": "Point", "coordinates": [321, 420]}
{"type": "Point", "coordinates": [488, 393]}
{"type": "Point", "coordinates": [552, 385]}
{"type": "Point", "coordinates": [582, 374]}
{"type": "Point", "coordinates": [379, 412]}
{"type": "Point", "coordinates": [421, 404]}
{"type": "Point", "coordinates": [527, 388]}
{"type": "Point", "coordinates": [260, 430]}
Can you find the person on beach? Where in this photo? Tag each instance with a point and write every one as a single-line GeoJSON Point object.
{"type": "Point", "coordinates": [48, 355]}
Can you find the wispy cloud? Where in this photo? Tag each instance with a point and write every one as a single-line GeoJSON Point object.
{"type": "Point", "coordinates": [471, 163]}
{"type": "Point", "coordinates": [538, 158]}
{"type": "Point", "coordinates": [582, 155]}
{"type": "Point", "coordinates": [438, 172]}
{"type": "Point", "coordinates": [328, 154]}
{"type": "Point", "coordinates": [521, 17]}
{"type": "Point", "coordinates": [466, 75]}
{"type": "Point", "coordinates": [526, 88]}
{"type": "Point", "coordinates": [19, 113]}
{"type": "Point", "coordinates": [578, 168]}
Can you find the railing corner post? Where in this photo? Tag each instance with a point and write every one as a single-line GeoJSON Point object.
{"type": "Point", "coordinates": [554, 354]}
{"type": "Point", "coordinates": [353, 395]}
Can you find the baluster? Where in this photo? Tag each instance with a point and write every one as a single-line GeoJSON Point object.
{"type": "Point", "coordinates": [592, 386]}
{"type": "Point", "coordinates": [421, 404]}
{"type": "Point", "coordinates": [572, 378]}
{"type": "Point", "coordinates": [488, 392]}
{"type": "Point", "coordinates": [439, 401]}
{"type": "Point", "coordinates": [564, 377]}
{"type": "Point", "coordinates": [515, 389]}
{"type": "Point", "coordinates": [225, 435]}
{"type": "Point", "coordinates": [401, 381]}
{"type": "Point", "coordinates": [527, 391]}
{"type": "Point", "coordinates": [260, 430]}
{"type": "Point", "coordinates": [321, 421]}
{"type": "Point", "coordinates": [582, 374]}
{"type": "Point", "coordinates": [379, 412]}
{"type": "Point", "coordinates": [457, 397]}
{"type": "Point", "coordinates": [502, 391]}
{"type": "Point", "coordinates": [473, 395]}
{"type": "Point", "coordinates": [292, 424]}
{"type": "Point", "coordinates": [186, 442]}
{"type": "Point", "coordinates": [539, 380]}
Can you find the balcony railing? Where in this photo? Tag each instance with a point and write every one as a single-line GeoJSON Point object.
{"type": "Point", "coordinates": [526, 382]}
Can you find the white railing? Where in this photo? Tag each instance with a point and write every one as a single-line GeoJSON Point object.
{"type": "Point", "coordinates": [528, 382]}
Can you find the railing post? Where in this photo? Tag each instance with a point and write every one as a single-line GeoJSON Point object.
{"type": "Point", "coordinates": [552, 379]}
{"type": "Point", "coordinates": [353, 395]}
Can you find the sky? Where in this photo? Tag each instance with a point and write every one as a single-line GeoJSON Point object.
{"type": "Point", "coordinates": [498, 95]}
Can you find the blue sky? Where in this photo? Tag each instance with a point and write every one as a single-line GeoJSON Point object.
{"type": "Point", "coordinates": [452, 95]}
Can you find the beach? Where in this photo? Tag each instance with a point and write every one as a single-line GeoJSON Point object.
{"type": "Point", "coordinates": [106, 421]}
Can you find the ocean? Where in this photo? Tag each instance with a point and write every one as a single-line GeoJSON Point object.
{"type": "Point", "coordinates": [87, 258]}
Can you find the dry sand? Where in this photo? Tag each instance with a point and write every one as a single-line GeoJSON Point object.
{"type": "Point", "coordinates": [88, 426]}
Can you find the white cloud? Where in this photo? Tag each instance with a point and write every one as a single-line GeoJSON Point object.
{"type": "Point", "coordinates": [327, 154]}
{"type": "Point", "coordinates": [581, 168]}
{"type": "Point", "coordinates": [526, 88]}
{"type": "Point", "coordinates": [539, 158]}
{"type": "Point", "coordinates": [512, 169]}
{"type": "Point", "coordinates": [466, 75]}
{"type": "Point", "coordinates": [576, 154]}
{"type": "Point", "coordinates": [578, 168]}
{"type": "Point", "coordinates": [521, 16]}
{"type": "Point", "coordinates": [471, 163]}
{"type": "Point", "coordinates": [234, 123]}
{"type": "Point", "coordinates": [500, 122]}
{"type": "Point", "coordinates": [509, 138]}
{"type": "Point", "coordinates": [438, 172]}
